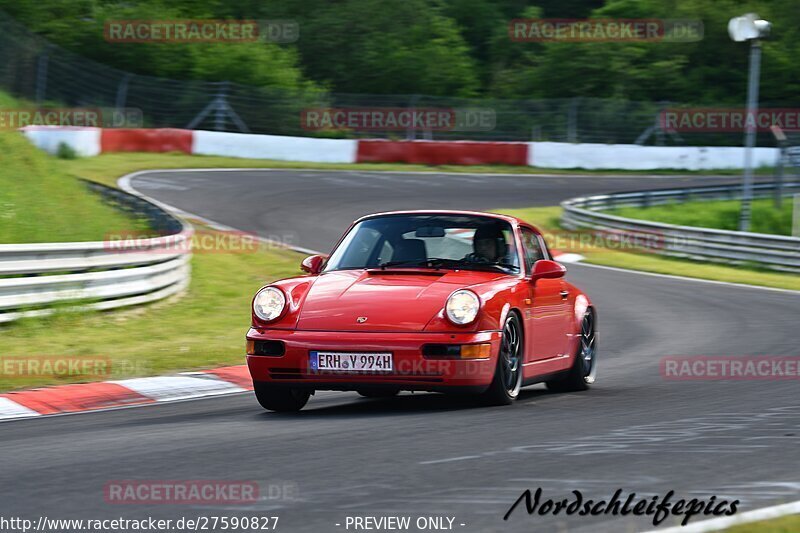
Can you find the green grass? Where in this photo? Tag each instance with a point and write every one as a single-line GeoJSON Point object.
{"type": "Point", "coordinates": [106, 168]}
{"type": "Point", "coordinates": [547, 220]}
{"type": "Point", "coordinates": [785, 524]}
{"type": "Point", "coordinates": [7, 101]}
{"type": "Point", "coordinates": [722, 214]}
{"type": "Point", "coordinates": [40, 202]}
{"type": "Point", "coordinates": [202, 328]}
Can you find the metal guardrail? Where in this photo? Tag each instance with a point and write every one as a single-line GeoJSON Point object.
{"type": "Point", "coordinates": [37, 278]}
{"type": "Point", "coordinates": [775, 251]}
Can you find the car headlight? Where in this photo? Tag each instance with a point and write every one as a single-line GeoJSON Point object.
{"type": "Point", "coordinates": [269, 303]}
{"type": "Point", "coordinates": [462, 307]}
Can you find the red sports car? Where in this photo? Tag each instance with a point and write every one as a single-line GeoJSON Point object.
{"type": "Point", "coordinates": [445, 301]}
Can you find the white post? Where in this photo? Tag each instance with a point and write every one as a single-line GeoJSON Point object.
{"type": "Point", "coordinates": [750, 134]}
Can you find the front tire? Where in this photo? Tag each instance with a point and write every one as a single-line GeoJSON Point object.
{"type": "Point", "coordinates": [280, 399]}
{"type": "Point", "coordinates": [507, 380]}
{"type": "Point", "coordinates": [583, 371]}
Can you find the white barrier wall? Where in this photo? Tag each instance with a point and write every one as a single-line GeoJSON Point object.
{"type": "Point", "coordinates": [85, 141]}
{"type": "Point", "coordinates": [88, 142]}
{"type": "Point", "coordinates": [635, 157]}
{"type": "Point", "coordinates": [274, 147]}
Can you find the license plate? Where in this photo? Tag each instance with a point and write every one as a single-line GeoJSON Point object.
{"type": "Point", "coordinates": [351, 362]}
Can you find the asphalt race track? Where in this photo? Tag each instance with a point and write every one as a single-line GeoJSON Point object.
{"type": "Point", "coordinates": [431, 455]}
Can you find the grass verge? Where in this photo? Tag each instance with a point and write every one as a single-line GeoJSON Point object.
{"type": "Point", "coordinates": [547, 220]}
{"type": "Point", "coordinates": [722, 214]}
{"type": "Point", "coordinates": [40, 202]}
{"type": "Point", "coordinates": [106, 168]}
{"type": "Point", "coordinates": [785, 524]}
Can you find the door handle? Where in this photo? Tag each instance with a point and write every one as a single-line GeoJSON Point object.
{"type": "Point", "coordinates": [564, 294]}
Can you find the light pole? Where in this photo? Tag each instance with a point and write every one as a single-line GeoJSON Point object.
{"type": "Point", "coordinates": [749, 28]}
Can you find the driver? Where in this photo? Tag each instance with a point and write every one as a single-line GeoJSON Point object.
{"type": "Point", "coordinates": [488, 245]}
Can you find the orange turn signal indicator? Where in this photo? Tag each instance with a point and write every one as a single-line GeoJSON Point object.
{"type": "Point", "coordinates": [476, 351]}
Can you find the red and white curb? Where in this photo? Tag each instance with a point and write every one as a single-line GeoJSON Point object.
{"type": "Point", "coordinates": [567, 257]}
{"type": "Point", "coordinates": [81, 397]}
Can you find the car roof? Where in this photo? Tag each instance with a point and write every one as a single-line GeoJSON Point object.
{"type": "Point", "coordinates": [507, 218]}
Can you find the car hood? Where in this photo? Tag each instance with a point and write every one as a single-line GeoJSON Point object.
{"type": "Point", "coordinates": [390, 300]}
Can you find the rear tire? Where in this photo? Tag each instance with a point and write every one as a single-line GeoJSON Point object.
{"type": "Point", "coordinates": [366, 393]}
{"type": "Point", "coordinates": [280, 399]}
{"type": "Point", "coordinates": [507, 380]}
{"type": "Point", "coordinates": [584, 368]}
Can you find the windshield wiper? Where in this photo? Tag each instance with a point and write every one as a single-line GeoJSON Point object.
{"type": "Point", "coordinates": [494, 266]}
{"type": "Point", "coordinates": [439, 262]}
{"type": "Point", "coordinates": [385, 264]}
{"type": "Point", "coordinates": [431, 262]}
{"type": "Point", "coordinates": [509, 266]}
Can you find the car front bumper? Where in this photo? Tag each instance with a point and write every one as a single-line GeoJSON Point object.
{"type": "Point", "coordinates": [411, 370]}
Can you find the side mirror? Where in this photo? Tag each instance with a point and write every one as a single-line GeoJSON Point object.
{"type": "Point", "coordinates": [313, 264]}
{"type": "Point", "coordinates": [544, 268]}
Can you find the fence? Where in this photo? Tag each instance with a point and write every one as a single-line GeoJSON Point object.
{"type": "Point", "coordinates": [775, 251]}
{"type": "Point", "coordinates": [96, 275]}
{"type": "Point", "coordinates": [37, 70]}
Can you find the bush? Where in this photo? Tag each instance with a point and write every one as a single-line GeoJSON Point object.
{"type": "Point", "coordinates": [66, 151]}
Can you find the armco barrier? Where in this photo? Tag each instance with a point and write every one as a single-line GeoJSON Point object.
{"type": "Point", "coordinates": [145, 140]}
{"type": "Point", "coordinates": [443, 152]}
{"type": "Point", "coordinates": [96, 275]}
{"type": "Point", "coordinates": [775, 251]}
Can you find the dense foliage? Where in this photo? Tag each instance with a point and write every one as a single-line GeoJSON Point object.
{"type": "Point", "coordinates": [442, 47]}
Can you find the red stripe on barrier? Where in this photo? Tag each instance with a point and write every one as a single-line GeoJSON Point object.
{"type": "Point", "coordinates": [78, 397]}
{"type": "Point", "coordinates": [238, 375]}
{"type": "Point", "coordinates": [442, 152]}
{"type": "Point", "coordinates": [146, 140]}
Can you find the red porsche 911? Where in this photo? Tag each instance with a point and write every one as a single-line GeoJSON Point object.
{"type": "Point", "coordinates": [443, 301]}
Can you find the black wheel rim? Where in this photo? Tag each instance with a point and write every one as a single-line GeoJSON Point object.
{"type": "Point", "coordinates": [510, 350]}
{"type": "Point", "coordinates": [588, 351]}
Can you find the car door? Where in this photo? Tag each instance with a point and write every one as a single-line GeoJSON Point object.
{"type": "Point", "coordinates": [546, 316]}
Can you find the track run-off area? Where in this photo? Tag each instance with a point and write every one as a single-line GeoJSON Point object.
{"type": "Point", "coordinates": [429, 455]}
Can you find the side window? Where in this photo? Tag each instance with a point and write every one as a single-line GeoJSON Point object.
{"type": "Point", "coordinates": [533, 250]}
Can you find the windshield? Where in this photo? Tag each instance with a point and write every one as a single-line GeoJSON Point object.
{"type": "Point", "coordinates": [428, 241]}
